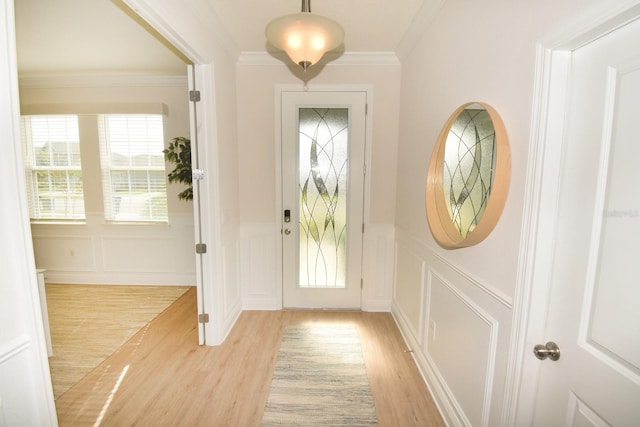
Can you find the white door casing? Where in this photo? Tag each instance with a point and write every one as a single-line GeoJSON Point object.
{"type": "Point", "coordinates": [26, 393]}
{"type": "Point", "coordinates": [592, 315]}
{"type": "Point", "coordinates": [553, 65]}
{"type": "Point", "coordinates": [291, 103]}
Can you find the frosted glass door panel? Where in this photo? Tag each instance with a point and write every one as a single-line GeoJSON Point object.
{"type": "Point", "coordinates": [323, 171]}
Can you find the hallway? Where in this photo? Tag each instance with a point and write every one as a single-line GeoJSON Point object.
{"type": "Point", "coordinates": [162, 377]}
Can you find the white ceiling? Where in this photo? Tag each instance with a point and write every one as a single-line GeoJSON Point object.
{"type": "Point", "coordinates": [99, 37]}
{"type": "Point", "coordinates": [370, 25]}
{"type": "Point", "coordinates": [86, 37]}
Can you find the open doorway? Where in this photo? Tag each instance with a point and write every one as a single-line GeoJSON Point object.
{"type": "Point", "coordinates": [89, 58]}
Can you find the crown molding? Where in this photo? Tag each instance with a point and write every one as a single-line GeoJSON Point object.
{"type": "Point", "coordinates": [329, 59]}
{"type": "Point", "coordinates": [50, 81]}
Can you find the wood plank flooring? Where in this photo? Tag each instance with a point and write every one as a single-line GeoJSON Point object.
{"type": "Point", "coordinates": [90, 322]}
{"type": "Point", "coordinates": [161, 377]}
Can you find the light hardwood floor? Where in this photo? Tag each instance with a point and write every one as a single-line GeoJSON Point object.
{"type": "Point", "coordinates": [89, 322]}
{"type": "Point", "coordinates": [161, 377]}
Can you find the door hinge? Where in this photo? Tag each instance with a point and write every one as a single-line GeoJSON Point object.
{"type": "Point", "coordinates": [366, 109]}
{"type": "Point", "coordinates": [201, 248]}
{"type": "Point", "coordinates": [194, 95]}
{"type": "Point", "coordinates": [197, 174]}
{"type": "Point", "coordinates": [363, 228]}
{"type": "Point", "coordinates": [361, 283]}
{"type": "Point", "coordinates": [203, 318]}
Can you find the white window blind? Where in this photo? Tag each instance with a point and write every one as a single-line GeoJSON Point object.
{"type": "Point", "coordinates": [133, 173]}
{"type": "Point", "coordinates": [51, 151]}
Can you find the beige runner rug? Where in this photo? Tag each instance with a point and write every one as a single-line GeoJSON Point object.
{"type": "Point", "coordinates": [320, 379]}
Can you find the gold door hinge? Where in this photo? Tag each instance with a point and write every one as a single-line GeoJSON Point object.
{"type": "Point", "coordinates": [203, 318]}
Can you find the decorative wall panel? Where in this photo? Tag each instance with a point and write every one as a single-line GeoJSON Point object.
{"type": "Point", "coordinates": [409, 286]}
{"type": "Point", "coordinates": [100, 253]}
{"type": "Point", "coordinates": [63, 252]}
{"type": "Point", "coordinates": [464, 355]}
{"type": "Point", "coordinates": [463, 323]}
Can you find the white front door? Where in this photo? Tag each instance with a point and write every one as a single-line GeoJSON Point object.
{"type": "Point", "coordinates": [594, 306]}
{"type": "Point", "coordinates": [323, 145]}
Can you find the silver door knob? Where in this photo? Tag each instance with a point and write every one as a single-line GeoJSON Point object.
{"type": "Point", "coordinates": [287, 231]}
{"type": "Point", "coordinates": [549, 350]}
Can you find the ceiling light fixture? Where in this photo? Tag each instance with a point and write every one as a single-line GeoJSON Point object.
{"type": "Point", "coordinates": [304, 36]}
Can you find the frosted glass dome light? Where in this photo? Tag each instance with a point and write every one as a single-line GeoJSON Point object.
{"type": "Point", "coordinates": [304, 36]}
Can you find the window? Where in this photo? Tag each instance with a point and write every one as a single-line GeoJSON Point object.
{"type": "Point", "coordinates": [51, 151]}
{"type": "Point", "coordinates": [133, 173]}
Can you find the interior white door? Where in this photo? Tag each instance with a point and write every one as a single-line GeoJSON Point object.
{"type": "Point", "coordinates": [323, 145]}
{"type": "Point", "coordinates": [594, 314]}
{"type": "Point", "coordinates": [197, 206]}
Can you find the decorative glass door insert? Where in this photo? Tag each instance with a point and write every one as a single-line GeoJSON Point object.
{"type": "Point", "coordinates": [322, 176]}
{"type": "Point", "coordinates": [323, 181]}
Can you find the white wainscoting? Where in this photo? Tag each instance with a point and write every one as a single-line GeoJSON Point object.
{"type": "Point", "coordinates": [226, 303]}
{"type": "Point", "coordinates": [261, 289]}
{"type": "Point", "coordinates": [377, 267]}
{"type": "Point", "coordinates": [231, 284]}
{"type": "Point", "coordinates": [3, 419]}
{"type": "Point", "coordinates": [15, 389]}
{"type": "Point", "coordinates": [96, 252]}
{"type": "Point", "coordinates": [458, 329]}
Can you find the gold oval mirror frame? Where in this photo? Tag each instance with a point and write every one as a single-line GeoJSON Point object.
{"type": "Point", "coordinates": [468, 176]}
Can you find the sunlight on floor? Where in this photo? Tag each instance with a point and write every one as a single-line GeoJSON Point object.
{"type": "Point", "coordinates": [116, 386]}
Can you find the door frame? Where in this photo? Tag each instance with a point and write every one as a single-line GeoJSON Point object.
{"type": "Point", "coordinates": [278, 90]}
{"type": "Point", "coordinates": [23, 350]}
{"type": "Point", "coordinates": [207, 208]}
{"type": "Point", "coordinates": [553, 67]}
{"type": "Point", "coordinates": [198, 162]}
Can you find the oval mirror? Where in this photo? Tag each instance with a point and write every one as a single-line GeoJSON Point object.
{"type": "Point", "coordinates": [468, 176]}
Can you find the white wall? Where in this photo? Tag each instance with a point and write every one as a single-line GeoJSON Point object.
{"type": "Point", "coordinates": [97, 252]}
{"type": "Point", "coordinates": [257, 78]}
{"type": "Point", "coordinates": [456, 306]}
{"type": "Point", "coordinates": [230, 262]}
{"type": "Point", "coordinates": [256, 131]}
{"type": "Point", "coordinates": [26, 395]}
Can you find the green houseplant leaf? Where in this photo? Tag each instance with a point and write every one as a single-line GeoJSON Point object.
{"type": "Point", "coordinates": [179, 153]}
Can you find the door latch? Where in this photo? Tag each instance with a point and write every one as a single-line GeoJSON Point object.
{"type": "Point", "coordinates": [549, 350]}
